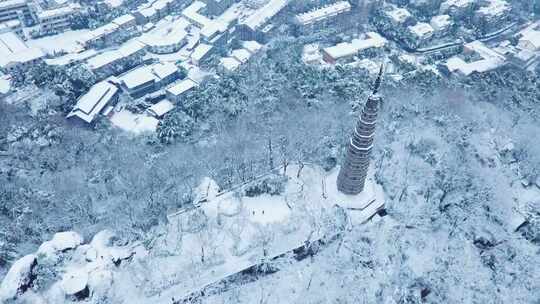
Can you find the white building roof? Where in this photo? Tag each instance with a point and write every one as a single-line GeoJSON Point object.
{"type": "Point", "coordinates": [167, 33]}
{"type": "Point", "coordinates": [490, 60]}
{"type": "Point", "coordinates": [91, 103]}
{"type": "Point", "coordinates": [12, 3]}
{"type": "Point", "coordinates": [137, 77]}
{"type": "Point", "coordinates": [164, 69]}
{"type": "Point", "coordinates": [345, 49]}
{"type": "Point", "coordinates": [161, 108]}
{"type": "Point", "coordinates": [440, 22]}
{"type": "Point", "coordinates": [11, 43]}
{"type": "Point", "coordinates": [446, 5]}
{"type": "Point", "coordinates": [131, 47]}
{"type": "Point", "coordinates": [200, 51]}
{"type": "Point", "coordinates": [264, 14]}
{"type": "Point", "coordinates": [146, 74]}
{"type": "Point", "coordinates": [229, 63]}
{"type": "Point", "coordinates": [398, 15]}
{"type": "Point", "coordinates": [181, 87]}
{"type": "Point", "coordinates": [71, 58]}
{"type": "Point", "coordinates": [123, 20]}
{"type": "Point", "coordinates": [57, 12]}
{"type": "Point", "coordinates": [147, 12]}
{"type": "Point", "coordinates": [23, 56]}
{"type": "Point", "coordinates": [531, 37]}
{"type": "Point", "coordinates": [484, 51]}
{"type": "Point", "coordinates": [252, 46]}
{"type": "Point", "coordinates": [495, 8]}
{"type": "Point", "coordinates": [323, 12]}
{"type": "Point", "coordinates": [241, 55]}
{"type": "Point", "coordinates": [103, 59]}
{"type": "Point", "coordinates": [421, 30]}
{"type": "Point", "coordinates": [192, 13]}
{"type": "Point", "coordinates": [222, 22]}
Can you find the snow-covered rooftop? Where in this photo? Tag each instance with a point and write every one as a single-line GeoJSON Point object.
{"type": "Point", "coordinates": [494, 8]}
{"type": "Point", "coordinates": [11, 43]}
{"type": "Point", "coordinates": [167, 33]}
{"type": "Point", "coordinates": [229, 63]}
{"type": "Point", "coordinates": [345, 49]}
{"type": "Point", "coordinates": [323, 12]}
{"type": "Point", "coordinates": [200, 51]}
{"type": "Point", "coordinates": [421, 30]}
{"type": "Point", "coordinates": [123, 20]}
{"type": "Point", "coordinates": [192, 13]}
{"type": "Point", "coordinates": [146, 74]}
{"type": "Point", "coordinates": [252, 46]}
{"type": "Point", "coordinates": [161, 108]}
{"type": "Point", "coordinates": [181, 87]}
{"type": "Point", "coordinates": [398, 15]}
{"type": "Point", "coordinates": [56, 12]}
{"type": "Point", "coordinates": [90, 104]}
{"type": "Point", "coordinates": [449, 4]}
{"type": "Point", "coordinates": [440, 22]}
{"type": "Point", "coordinates": [490, 60]}
{"type": "Point", "coordinates": [242, 55]}
{"type": "Point", "coordinates": [264, 14]}
{"type": "Point", "coordinates": [71, 58]}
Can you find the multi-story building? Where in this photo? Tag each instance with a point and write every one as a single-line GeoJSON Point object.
{"type": "Point", "coordinates": [168, 39]}
{"type": "Point", "coordinates": [256, 26]}
{"type": "Point", "coordinates": [347, 50]}
{"type": "Point", "coordinates": [16, 10]}
{"type": "Point", "coordinates": [91, 104]}
{"type": "Point", "coordinates": [147, 79]}
{"type": "Point", "coordinates": [321, 17]}
{"type": "Point", "coordinates": [55, 20]}
{"type": "Point", "coordinates": [12, 26]}
{"type": "Point", "coordinates": [16, 55]}
{"type": "Point", "coordinates": [418, 35]}
{"type": "Point", "coordinates": [458, 8]}
{"type": "Point", "coordinates": [492, 15]}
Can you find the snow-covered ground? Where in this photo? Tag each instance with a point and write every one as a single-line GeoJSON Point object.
{"type": "Point", "coordinates": [134, 123]}
{"type": "Point", "coordinates": [227, 234]}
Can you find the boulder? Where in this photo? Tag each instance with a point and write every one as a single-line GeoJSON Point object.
{"type": "Point", "coordinates": [75, 283]}
{"type": "Point", "coordinates": [19, 278]}
{"type": "Point", "coordinates": [60, 242]}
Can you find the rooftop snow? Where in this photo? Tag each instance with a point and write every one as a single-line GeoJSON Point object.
{"type": "Point", "coordinates": [399, 15]}
{"type": "Point", "coordinates": [192, 13]}
{"type": "Point", "coordinates": [124, 19]}
{"type": "Point", "coordinates": [323, 12]}
{"type": "Point", "coordinates": [57, 12]}
{"type": "Point", "coordinates": [71, 57]}
{"type": "Point", "coordinates": [11, 43]}
{"type": "Point", "coordinates": [241, 55]}
{"type": "Point", "coordinates": [229, 63]}
{"type": "Point", "coordinates": [345, 49]}
{"type": "Point", "coordinates": [91, 103]}
{"type": "Point", "coordinates": [495, 8]}
{"type": "Point", "coordinates": [146, 74]}
{"type": "Point", "coordinates": [200, 51]}
{"type": "Point", "coordinates": [252, 46]}
{"type": "Point", "coordinates": [161, 108]}
{"type": "Point", "coordinates": [421, 30]}
{"type": "Point", "coordinates": [265, 13]}
{"type": "Point", "coordinates": [440, 22]}
{"type": "Point", "coordinates": [182, 87]}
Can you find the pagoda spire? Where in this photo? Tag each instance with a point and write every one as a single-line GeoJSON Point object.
{"type": "Point", "coordinates": [353, 172]}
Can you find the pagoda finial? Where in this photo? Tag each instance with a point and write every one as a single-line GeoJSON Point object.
{"type": "Point", "coordinates": [378, 80]}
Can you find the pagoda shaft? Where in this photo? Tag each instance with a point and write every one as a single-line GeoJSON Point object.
{"type": "Point", "coordinates": [353, 172]}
